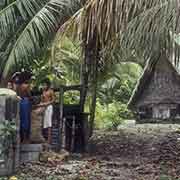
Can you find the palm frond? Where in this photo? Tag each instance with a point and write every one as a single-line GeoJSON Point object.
{"type": "Point", "coordinates": [68, 58]}
{"type": "Point", "coordinates": [39, 31]}
{"type": "Point", "coordinates": [6, 18]}
{"type": "Point", "coordinates": [149, 32]}
{"type": "Point", "coordinates": [15, 12]}
{"type": "Point", "coordinates": [140, 28]}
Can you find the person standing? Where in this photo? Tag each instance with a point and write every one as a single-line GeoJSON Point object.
{"type": "Point", "coordinates": [25, 111]}
{"type": "Point", "coordinates": [48, 99]}
{"type": "Point", "coordinates": [16, 82]}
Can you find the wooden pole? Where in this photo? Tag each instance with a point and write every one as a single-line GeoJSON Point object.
{"type": "Point", "coordinates": [73, 133]}
{"type": "Point", "coordinates": [61, 117]}
{"type": "Point", "coordinates": [63, 147]}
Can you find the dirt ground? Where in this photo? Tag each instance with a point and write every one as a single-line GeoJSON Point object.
{"type": "Point", "coordinates": [134, 152]}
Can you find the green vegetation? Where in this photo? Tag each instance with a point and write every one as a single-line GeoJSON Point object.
{"type": "Point", "coordinates": [101, 44]}
{"type": "Point", "coordinates": [93, 39]}
{"type": "Point", "coordinates": [115, 85]}
{"type": "Point", "coordinates": [7, 136]}
{"type": "Point", "coordinates": [114, 94]}
{"type": "Point", "coordinates": [111, 116]}
{"type": "Point", "coordinates": [28, 27]}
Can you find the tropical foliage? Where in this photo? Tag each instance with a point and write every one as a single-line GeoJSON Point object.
{"type": "Point", "coordinates": [130, 28]}
{"type": "Point", "coordinates": [27, 26]}
{"type": "Point", "coordinates": [65, 69]}
{"type": "Point", "coordinates": [108, 32]}
{"type": "Point", "coordinates": [68, 58]}
{"type": "Point", "coordinates": [114, 93]}
{"type": "Point", "coordinates": [115, 83]}
{"type": "Point", "coordinates": [7, 136]}
{"type": "Point", "coordinates": [112, 116]}
{"type": "Point", "coordinates": [119, 83]}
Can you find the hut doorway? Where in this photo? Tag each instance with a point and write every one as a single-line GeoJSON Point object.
{"type": "Point", "coordinates": [145, 112]}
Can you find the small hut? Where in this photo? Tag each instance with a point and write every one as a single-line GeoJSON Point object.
{"type": "Point", "coordinates": [156, 96]}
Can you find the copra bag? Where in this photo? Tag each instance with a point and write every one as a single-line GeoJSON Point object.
{"type": "Point", "coordinates": [36, 125]}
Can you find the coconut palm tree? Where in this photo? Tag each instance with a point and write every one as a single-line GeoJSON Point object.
{"type": "Point", "coordinates": [124, 30]}
{"type": "Point", "coordinates": [129, 28]}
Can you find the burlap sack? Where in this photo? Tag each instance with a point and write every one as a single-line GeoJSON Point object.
{"type": "Point", "coordinates": [36, 125]}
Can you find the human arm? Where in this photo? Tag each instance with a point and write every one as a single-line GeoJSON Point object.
{"type": "Point", "coordinates": [45, 102]}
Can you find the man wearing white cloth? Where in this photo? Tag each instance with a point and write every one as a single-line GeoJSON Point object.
{"type": "Point", "coordinates": [48, 99]}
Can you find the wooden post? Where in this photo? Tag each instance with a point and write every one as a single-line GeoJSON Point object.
{"type": "Point", "coordinates": [73, 133]}
{"type": "Point", "coordinates": [64, 134]}
{"type": "Point", "coordinates": [17, 146]}
{"type": "Point", "coordinates": [61, 116]}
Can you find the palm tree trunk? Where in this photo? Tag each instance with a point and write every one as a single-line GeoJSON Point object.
{"type": "Point", "coordinates": [94, 75]}
{"type": "Point", "coordinates": [84, 83]}
{"type": "Point", "coordinates": [89, 73]}
{"type": "Point", "coordinates": [86, 71]}
{"type": "Point", "coordinates": [94, 96]}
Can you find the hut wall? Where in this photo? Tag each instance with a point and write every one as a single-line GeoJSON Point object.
{"type": "Point", "coordinates": [162, 87]}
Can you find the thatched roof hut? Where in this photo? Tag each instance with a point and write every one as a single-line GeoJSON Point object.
{"type": "Point", "coordinates": [157, 93]}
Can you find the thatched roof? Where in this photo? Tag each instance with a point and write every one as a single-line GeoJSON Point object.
{"type": "Point", "coordinates": [145, 78]}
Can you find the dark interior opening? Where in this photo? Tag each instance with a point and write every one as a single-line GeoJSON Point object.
{"type": "Point", "coordinates": [145, 112]}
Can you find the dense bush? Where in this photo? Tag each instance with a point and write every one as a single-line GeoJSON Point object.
{"type": "Point", "coordinates": [114, 94]}
{"type": "Point", "coordinates": [7, 136]}
{"type": "Point", "coordinates": [112, 115]}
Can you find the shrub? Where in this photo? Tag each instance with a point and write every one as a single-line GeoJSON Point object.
{"type": "Point", "coordinates": [7, 136]}
{"type": "Point", "coordinates": [112, 115]}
